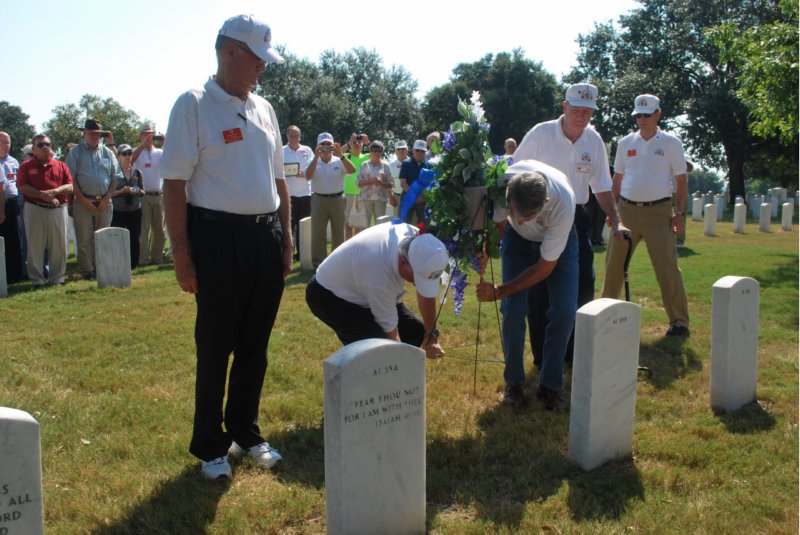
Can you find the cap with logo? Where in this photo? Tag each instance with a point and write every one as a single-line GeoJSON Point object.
{"type": "Point", "coordinates": [421, 144]}
{"type": "Point", "coordinates": [646, 104]}
{"type": "Point", "coordinates": [582, 96]}
{"type": "Point", "coordinates": [428, 258]}
{"type": "Point", "coordinates": [400, 145]}
{"type": "Point", "coordinates": [254, 33]}
{"type": "Point", "coordinates": [325, 136]}
{"type": "Point", "coordinates": [124, 147]}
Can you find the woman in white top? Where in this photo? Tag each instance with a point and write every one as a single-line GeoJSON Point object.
{"type": "Point", "coordinates": [376, 183]}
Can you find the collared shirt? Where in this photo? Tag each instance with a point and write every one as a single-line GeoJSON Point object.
{"type": "Point", "coordinates": [369, 171]}
{"type": "Point", "coordinates": [409, 170]}
{"type": "Point", "coordinates": [10, 166]}
{"type": "Point", "coordinates": [93, 169]}
{"type": "Point", "coordinates": [298, 186]}
{"type": "Point", "coordinates": [364, 271]}
{"type": "Point", "coordinates": [351, 180]}
{"type": "Point", "coordinates": [584, 162]}
{"type": "Point", "coordinates": [328, 177]}
{"type": "Point", "coordinates": [229, 152]}
{"type": "Point", "coordinates": [649, 165]}
{"type": "Point", "coordinates": [43, 177]}
{"type": "Point", "coordinates": [148, 164]}
{"type": "Point", "coordinates": [552, 225]}
{"type": "Point", "coordinates": [394, 166]}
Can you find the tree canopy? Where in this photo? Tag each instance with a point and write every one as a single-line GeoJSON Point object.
{"type": "Point", "coordinates": [14, 122]}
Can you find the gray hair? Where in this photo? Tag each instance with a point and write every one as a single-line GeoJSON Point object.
{"type": "Point", "coordinates": [527, 193]}
{"type": "Point", "coordinates": [405, 243]}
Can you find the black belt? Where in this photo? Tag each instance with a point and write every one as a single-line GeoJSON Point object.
{"type": "Point", "coordinates": [330, 194]}
{"type": "Point", "coordinates": [43, 205]}
{"type": "Point", "coordinates": [648, 203]}
{"type": "Point", "coordinates": [214, 215]}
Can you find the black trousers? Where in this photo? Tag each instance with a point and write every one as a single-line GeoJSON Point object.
{"type": "Point", "coordinates": [240, 284]}
{"type": "Point", "coordinates": [352, 322]}
{"type": "Point", "coordinates": [301, 207]}
{"type": "Point", "coordinates": [539, 301]}
{"type": "Point", "coordinates": [9, 230]}
{"type": "Point", "coordinates": [133, 222]}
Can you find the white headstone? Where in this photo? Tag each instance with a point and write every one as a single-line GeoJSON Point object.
{"type": "Point", "coordinates": [21, 504]}
{"type": "Point", "coordinates": [739, 199]}
{"type": "Point", "coordinates": [765, 217]}
{"type": "Point", "coordinates": [739, 218]}
{"type": "Point", "coordinates": [710, 222]}
{"type": "Point", "coordinates": [3, 275]}
{"type": "Point", "coordinates": [697, 209]}
{"type": "Point", "coordinates": [112, 253]}
{"type": "Point", "coordinates": [604, 373]}
{"type": "Point", "coordinates": [756, 205]}
{"type": "Point", "coordinates": [383, 219]}
{"type": "Point", "coordinates": [375, 438]}
{"type": "Point", "coordinates": [783, 194]}
{"type": "Point", "coordinates": [734, 342]}
{"type": "Point", "coordinates": [786, 216]}
{"type": "Point", "coordinates": [773, 204]}
{"type": "Point", "coordinates": [305, 244]}
{"type": "Point", "coordinates": [719, 200]}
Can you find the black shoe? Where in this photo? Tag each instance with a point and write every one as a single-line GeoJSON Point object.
{"type": "Point", "coordinates": [88, 276]}
{"type": "Point", "coordinates": [678, 330]}
{"type": "Point", "coordinates": [552, 399]}
{"type": "Point", "coordinates": [514, 396]}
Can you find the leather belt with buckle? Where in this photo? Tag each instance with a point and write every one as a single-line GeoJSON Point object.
{"type": "Point", "coordinates": [646, 203]}
{"type": "Point", "coordinates": [215, 215]}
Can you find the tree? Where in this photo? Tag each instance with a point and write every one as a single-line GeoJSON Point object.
{"type": "Point", "coordinates": [14, 122]}
{"type": "Point", "coordinates": [704, 180]}
{"type": "Point", "coordinates": [664, 48]}
{"type": "Point", "coordinates": [64, 127]}
{"type": "Point", "coordinates": [516, 93]}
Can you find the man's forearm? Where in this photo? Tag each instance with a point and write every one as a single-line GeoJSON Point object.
{"type": "Point", "coordinates": [606, 201]}
{"type": "Point", "coordinates": [175, 212]}
{"type": "Point", "coordinates": [285, 213]}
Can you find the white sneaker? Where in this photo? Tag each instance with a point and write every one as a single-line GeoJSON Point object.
{"type": "Point", "coordinates": [219, 467]}
{"type": "Point", "coordinates": [263, 453]}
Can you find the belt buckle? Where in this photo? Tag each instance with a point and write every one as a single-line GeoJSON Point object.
{"type": "Point", "coordinates": [262, 217]}
{"type": "Point", "coordinates": [98, 197]}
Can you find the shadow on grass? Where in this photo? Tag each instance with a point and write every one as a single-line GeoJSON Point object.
{"type": "Point", "coordinates": [751, 418]}
{"type": "Point", "coordinates": [517, 457]}
{"type": "Point", "coordinates": [304, 449]}
{"type": "Point", "coordinates": [685, 252]}
{"type": "Point", "coordinates": [669, 358]}
{"type": "Point", "coordinates": [784, 275]}
{"type": "Point", "coordinates": [184, 504]}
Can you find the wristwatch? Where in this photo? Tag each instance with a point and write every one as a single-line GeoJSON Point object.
{"type": "Point", "coordinates": [434, 333]}
{"type": "Point", "coordinates": [680, 213]}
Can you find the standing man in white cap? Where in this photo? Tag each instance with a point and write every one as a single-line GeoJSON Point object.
{"type": "Point", "coordinates": [358, 289]}
{"type": "Point", "coordinates": [646, 163]}
{"type": "Point", "coordinates": [570, 145]}
{"type": "Point", "coordinates": [227, 208]}
{"type": "Point", "coordinates": [147, 160]}
{"type": "Point", "coordinates": [400, 155]}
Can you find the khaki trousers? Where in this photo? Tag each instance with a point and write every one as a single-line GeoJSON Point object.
{"type": "Point", "coordinates": [86, 223]}
{"type": "Point", "coordinates": [152, 238]}
{"type": "Point", "coordinates": [653, 225]}
{"type": "Point", "coordinates": [323, 211]}
{"type": "Point", "coordinates": [46, 229]}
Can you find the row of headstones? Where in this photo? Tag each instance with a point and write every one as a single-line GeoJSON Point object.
{"type": "Point", "coordinates": [776, 198]}
{"type": "Point", "coordinates": [740, 217]}
{"type": "Point", "coordinates": [305, 239]}
{"type": "Point", "coordinates": [112, 260]}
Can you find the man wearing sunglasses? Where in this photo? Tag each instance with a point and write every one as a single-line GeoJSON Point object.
{"type": "Point", "coordinates": [45, 183]}
{"type": "Point", "coordinates": [646, 162]}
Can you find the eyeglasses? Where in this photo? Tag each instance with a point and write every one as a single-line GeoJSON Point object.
{"type": "Point", "coordinates": [43, 144]}
{"type": "Point", "coordinates": [126, 152]}
{"type": "Point", "coordinates": [376, 149]}
{"type": "Point", "coordinates": [642, 115]}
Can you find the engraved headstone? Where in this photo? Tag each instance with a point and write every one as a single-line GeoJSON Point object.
{"type": "Point", "coordinates": [3, 275]}
{"type": "Point", "coordinates": [786, 216]}
{"type": "Point", "coordinates": [604, 371]}
{"type": "Point", "coordinates": [375, 438]}
{"type": "Point", "coordinates": [765, 218]}
{"type": "Point", "coordinates": [734, 342]}
{"type": "Point", "coordinates": [112, 253]}
{"type": "Point", "coordinates": [710, 221]}
{"type": "Point", "coordinates": [697, 209]}
{"type": "Point", "coordinates": [21, 504]}
{"type": "Point", "coordinates": [739, 218]}
{"type": "Point", "coordinates": [305, 244]}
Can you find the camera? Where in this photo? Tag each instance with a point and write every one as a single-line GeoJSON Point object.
{"type": "Point", "coordinates": [326, 149]}
{"type": "Point", "coordinates": [158, 137]}
{"type": "Point", "coordinates": [134, 190]}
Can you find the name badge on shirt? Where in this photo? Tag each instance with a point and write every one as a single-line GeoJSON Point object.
{"type": "Point", "coordinates": [631, 153]}
{"type": "Point", "coordinates": [233, 135]}
{"type": "Point", "coordinates": [148, 165]}
{"type": "Point", "coordinates": [584, 168]}
{"type": "Point", "coordinates": [33, 171]}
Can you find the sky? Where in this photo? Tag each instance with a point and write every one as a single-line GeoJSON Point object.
{"type": "Point", "coordinates": [54, 51]}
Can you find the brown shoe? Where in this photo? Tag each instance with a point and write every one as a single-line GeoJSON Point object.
{"type": "Point", "coordinates": [552, 399]}
{"type": "Point", "coordinates": [514, 396]}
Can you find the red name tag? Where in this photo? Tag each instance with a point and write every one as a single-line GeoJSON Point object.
{"type": "Point", "coordinates": [631, 153]}
{"type": "Point", "coordinates": [33, 171]}
{"type": "Point", "coordinates": [232, 136]}
{"type": "Point", "coordinates": [148, 165]}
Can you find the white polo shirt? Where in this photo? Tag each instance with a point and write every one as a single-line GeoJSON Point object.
{"type": "Point", "coordinates": [394, 167]}
{"type": "Point", "coordinates": [648, 166]}
{"type": "Point", "coordinates": [298, 186]}
{"type": "Point", "coordinates": [364, 271]}
{"type": "Point", "coordinates": [229, 152]}
{"type": "Point", "coordinates": [552, 226]}
{"type": "Point", "coordinates": [584, 162]}
{"type": "Point", "coordinates": [328, 177]}
{"type": "Point", "coordinates": [148, 164]}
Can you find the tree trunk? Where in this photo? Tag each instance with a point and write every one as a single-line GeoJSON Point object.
{"type": "Point", "coordinates": [735, 154]}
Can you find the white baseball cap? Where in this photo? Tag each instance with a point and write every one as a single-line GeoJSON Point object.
{"type": "Point", "coordinates": [582, 96]}
{"type": "Point", "coordinates": [421, 144]}
{"type": "Point", "coordinates": [646, 104]}
{"type": "Point", "coordinates": [401, 145]}
{"type": "Point", "coordinates": [428, 258]}
{"type": "Point", "coordinates": [325, 136]}
{"type": "Point", "coordinates": [254, 33]}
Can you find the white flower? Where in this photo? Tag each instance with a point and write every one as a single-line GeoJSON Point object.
{"type": "Point", "coordinates": [477, 108]}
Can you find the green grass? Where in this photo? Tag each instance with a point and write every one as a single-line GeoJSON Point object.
{"type": "Point", "coordinates": [109, 374]}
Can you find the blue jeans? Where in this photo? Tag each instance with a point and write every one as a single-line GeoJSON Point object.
{"type": "Point", "coordinates": [517, 255]}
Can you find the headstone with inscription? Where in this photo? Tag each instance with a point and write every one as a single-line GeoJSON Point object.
{"type": "Point", "coordinates": [710, 221]}
{"type": "Point", "coordinates": [697, 209]}
{"type": "Point", "coordinates": [375, 438]}
{"type": "Point", "coordinates": [21, 504]}
{"type": "Point", "coordinates": [3, 275]}
{"type": "Point", "coordinates": [765, 218]}
{"type": "Point", "coordinates": [604, 372]}
{"type": "Point", "coordinates": [739, 218]}
{"type": "Point", "coordinates": [786, 216]}
{"type": "Point", "coordinates": [734, 342]}
{"type": "Point", "coordinates": [305, 244]}
{"type": "Point", "coordinates": [112, 253]}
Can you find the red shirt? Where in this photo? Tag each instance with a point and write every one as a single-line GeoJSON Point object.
{"type": "Point", "coordinates": [43, 177]}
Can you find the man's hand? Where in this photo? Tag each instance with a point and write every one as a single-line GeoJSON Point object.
{"type": "Point", "coordinates": [617, 230]}
{"type": "Point", "coordinates": [337, 150]}
{"type": "Point", "coordinates": [185, 271]}
{"type": "Point", "coordinates": [103, 203]}
{"type": "Point", "coordinates": [89, 205]}
{"type": "Point", "coordinates": [432, 348]}
{"type": "Point", "coordinates": [676, 223]}
{"type": "Point", "coordinates": [486, 291]}
{"type": "Point", "coordinates": [288, 260]}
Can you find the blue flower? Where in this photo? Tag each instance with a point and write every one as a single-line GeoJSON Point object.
{"type": "Point", "coordinates": [449, 140]}
{"type": "Point", "coordinates": [458, 282]}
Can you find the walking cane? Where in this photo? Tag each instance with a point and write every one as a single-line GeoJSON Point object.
{"type": "Point", "coordinates": [629, 239]}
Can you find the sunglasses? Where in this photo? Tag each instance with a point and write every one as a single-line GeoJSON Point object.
{"type": "Point", "coordinates": [376, 149]}
{"type": "Point", "coordinates": [640, 115]}
{"type": "Point", "coordinates": [126, 152]}
{"type": "Point", "coordinates": [43, 144]}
